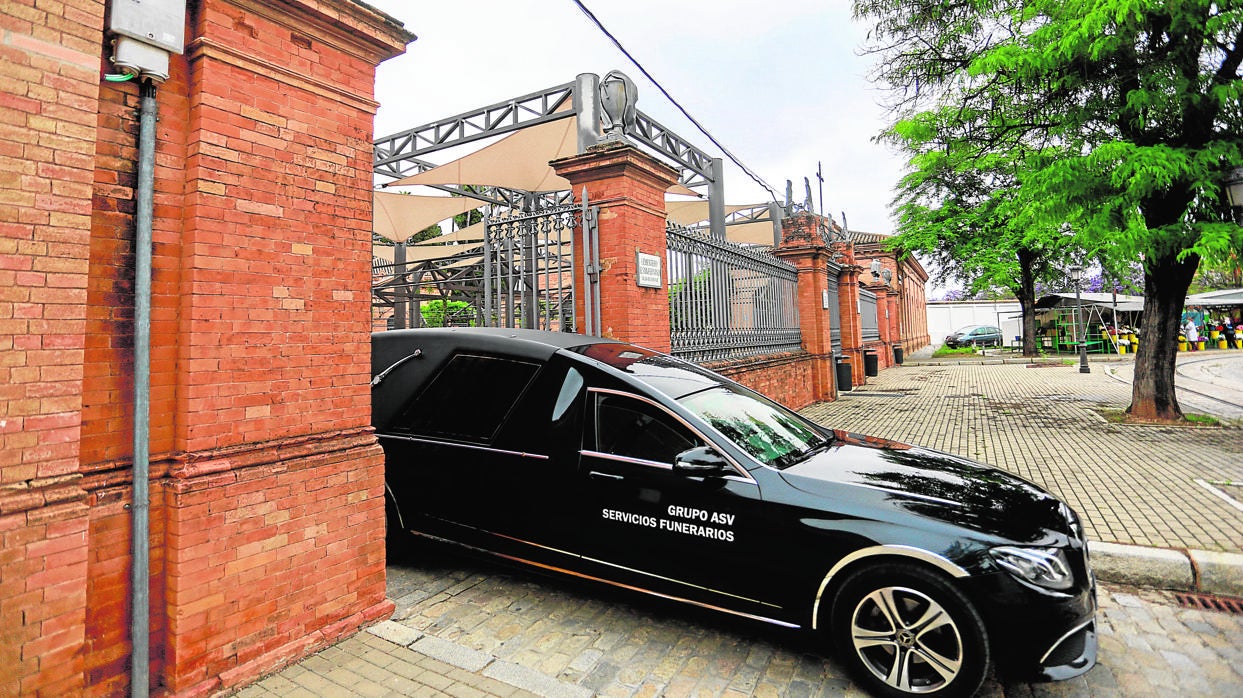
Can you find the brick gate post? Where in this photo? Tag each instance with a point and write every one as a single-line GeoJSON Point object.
{"type": "Point", "coordinates": [848, 302]}
{"type": "Point", "coordinates": [273, 511]}
{"type": "Point", "coordinates": [266, 481]}
{"type": "Point", "coordinates": [884, 353]}
{"type": "Point", "coordinates": [803, 246]}
{"type": "Point", "coordinates": [629, 187]}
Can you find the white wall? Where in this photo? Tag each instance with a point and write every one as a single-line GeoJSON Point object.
{"type": "Point", "coordinates": [946, 316]}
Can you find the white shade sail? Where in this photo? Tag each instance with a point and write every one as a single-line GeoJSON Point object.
{"type": "Point", "coordinates": [760, 233]}
{"type": "Point", "coordinates": [517, 161]}
{"type": "Point", "coordinates": [398, 216]}
{"type": "Point", "coordinates": [690, 212]}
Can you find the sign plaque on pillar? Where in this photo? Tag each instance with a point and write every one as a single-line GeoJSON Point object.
{"type": "Point", "coordinates": [647, 270]}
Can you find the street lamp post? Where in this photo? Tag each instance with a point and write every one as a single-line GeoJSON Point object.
{"type": "Point", "coordinates": [1081, 330]}
{"type": "Point", "coordinates": [1234, 194]}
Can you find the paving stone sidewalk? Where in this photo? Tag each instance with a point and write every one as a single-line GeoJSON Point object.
{"type": "Point", "coordinates": [1133, 484]}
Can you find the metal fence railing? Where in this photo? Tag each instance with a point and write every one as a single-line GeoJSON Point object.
{"type": "Point", "coordinates": [726, 300]}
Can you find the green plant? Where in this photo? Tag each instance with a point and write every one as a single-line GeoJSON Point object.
{"type": "Point", "coordinates": [1202, 420]}
{"type": "Point", "coordinates": [947, 351]}
{"type": "Point", "coordinates": [441, 313]}
{"type": "Point", "coordinates": [689, 300]}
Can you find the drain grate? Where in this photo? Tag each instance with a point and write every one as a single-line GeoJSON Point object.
{"type": "Point", "coordinates": [1211, 602]}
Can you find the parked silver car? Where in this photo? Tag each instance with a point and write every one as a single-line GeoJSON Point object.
{"type": "Point", "coordinates": [974, 336]}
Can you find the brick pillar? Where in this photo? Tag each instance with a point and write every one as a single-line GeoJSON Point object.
{"type": "Point", "coordinates": [895, 320]}
{"type": "Point", "coordinates": [266, 509]}
{"type": "Point", "coordinates": [804, 247]}
{"type": "Point", "coordinates": [274, 511]}
{"type": "Point", "coordinates": [49, 82]}
{"type": "Point", "coordinates": [884, 352]}
{"type": "Point", "coordinates": [629, 187]}
{"type": "Point", "coordinates": [848, 303]}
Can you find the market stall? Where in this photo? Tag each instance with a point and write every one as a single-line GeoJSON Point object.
{"type": "Point", "coordinates": [1107, 322]}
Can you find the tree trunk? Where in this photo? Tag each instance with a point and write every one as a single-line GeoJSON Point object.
{"type": "Point", "coordinates": [1165, 292]}
{"type": "Point", "coordinates": [1027, 301]}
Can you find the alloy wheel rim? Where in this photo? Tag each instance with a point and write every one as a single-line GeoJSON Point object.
{"type": "Point", "coordinates": [907, 640]}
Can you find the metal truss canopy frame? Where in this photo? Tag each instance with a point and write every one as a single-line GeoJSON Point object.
{"type": "Point", "coordinates": [399, 155]}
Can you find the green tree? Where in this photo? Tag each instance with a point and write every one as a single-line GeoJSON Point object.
{"type": "Point", "coordinates": [969, 221]}
{"type": "Point", "coordinates": [1121, 117]}
{"type": "Point", "coordinates": [689, 301]}
{"type": "Point", "coordinates": [427, 233]}
{"type": "Point", "coordinates": [442, 313]}
{"type": "Point", "coordinates": [463, 220]}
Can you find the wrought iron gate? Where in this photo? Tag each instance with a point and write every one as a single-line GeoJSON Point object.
{"type": "Point", "coordinates": [529, 269]}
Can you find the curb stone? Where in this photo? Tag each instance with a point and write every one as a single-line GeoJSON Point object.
{"type": "Point", "coordinates": [1219, 573]}
{"type": "Point", "coordinates": [1177, 570]}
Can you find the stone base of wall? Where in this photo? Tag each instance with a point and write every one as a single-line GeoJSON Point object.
{"type": "Point", "coordinates": [786, 378]}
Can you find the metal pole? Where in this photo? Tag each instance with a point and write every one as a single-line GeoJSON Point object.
{"type": "Point", "coordinates": [140, 579]}
{"type": "Point", "coordinates": [489, 245]}
{"type": "Point", "coordinates": [1082, 330]}
{"type": "Point", "coordinates": [400, 308]}
{"type": "Point", "coordinates": [716, 200]}
{"type": "Point", "coordinates": [587, 108]}
{"type": "Point", "coordinates": [584, 218]}
{"type": "Point", "coordinates": [774, 214]}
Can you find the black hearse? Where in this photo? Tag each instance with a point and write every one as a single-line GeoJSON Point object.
{"type": "Point", "coordinates": [615, 463]}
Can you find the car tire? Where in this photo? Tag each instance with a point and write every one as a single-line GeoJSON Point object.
{"type": "Point", "coordinates": [905, 630]}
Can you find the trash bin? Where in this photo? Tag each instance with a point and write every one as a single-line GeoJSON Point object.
{"type": "Point", "coordinates": [871, 365]}
{"type": "Point", "coordinates": [843, 375]}
{"type": "Point", "coordinates": [897, 354]}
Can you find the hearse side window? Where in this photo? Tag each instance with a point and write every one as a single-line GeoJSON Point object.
{"type": "Point", "coordinates": [633, 428]}
{"type": "Point", "coordinates": [468, 400]}
{"type": "Point", "coordinates": [570, 389]}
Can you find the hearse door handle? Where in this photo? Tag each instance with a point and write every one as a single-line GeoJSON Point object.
{"type": "Point", "coordinates": [608, 476]}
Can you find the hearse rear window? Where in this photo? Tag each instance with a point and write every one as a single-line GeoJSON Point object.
{"type": "Point", "coordinates": [468, 400]}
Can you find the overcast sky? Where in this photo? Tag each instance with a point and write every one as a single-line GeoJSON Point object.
{"type": "Point", "coordinates": [780, 83]}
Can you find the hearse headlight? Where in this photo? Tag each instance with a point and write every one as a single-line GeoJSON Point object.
{"type": "Point", "coordinates": [1044, 567]}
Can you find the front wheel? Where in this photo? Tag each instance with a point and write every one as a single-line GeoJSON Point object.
{"type": "Point", "coordinates": [904, 630]}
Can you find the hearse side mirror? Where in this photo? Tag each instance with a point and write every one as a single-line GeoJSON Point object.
{"type": "Point", "coordinates": [701, 461]}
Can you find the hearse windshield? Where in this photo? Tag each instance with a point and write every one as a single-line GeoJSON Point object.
{"type": "Point", "coordinates": [767, 431]}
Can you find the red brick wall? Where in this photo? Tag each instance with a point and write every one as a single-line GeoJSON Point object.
{"type": "Point", "coordinates": [266, 516]}
{"type": "Point", "coordinates": [107, 649]}
{"type": "Point", "coordinates": [786, 378]}
{"type": "Point", "coordinates": [107, 419]}
{"type": "Point", "coordinates": [271, 555]}
{"type": "Point", "coordinates": [908, 311]}
{"type": "Point", "coordinates": [49, 72]}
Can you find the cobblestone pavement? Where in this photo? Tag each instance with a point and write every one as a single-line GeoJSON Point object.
{"type": "Point", "coordinates": [466, 628]}
{"type": "Point", "coordinates": [1146, 485]}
